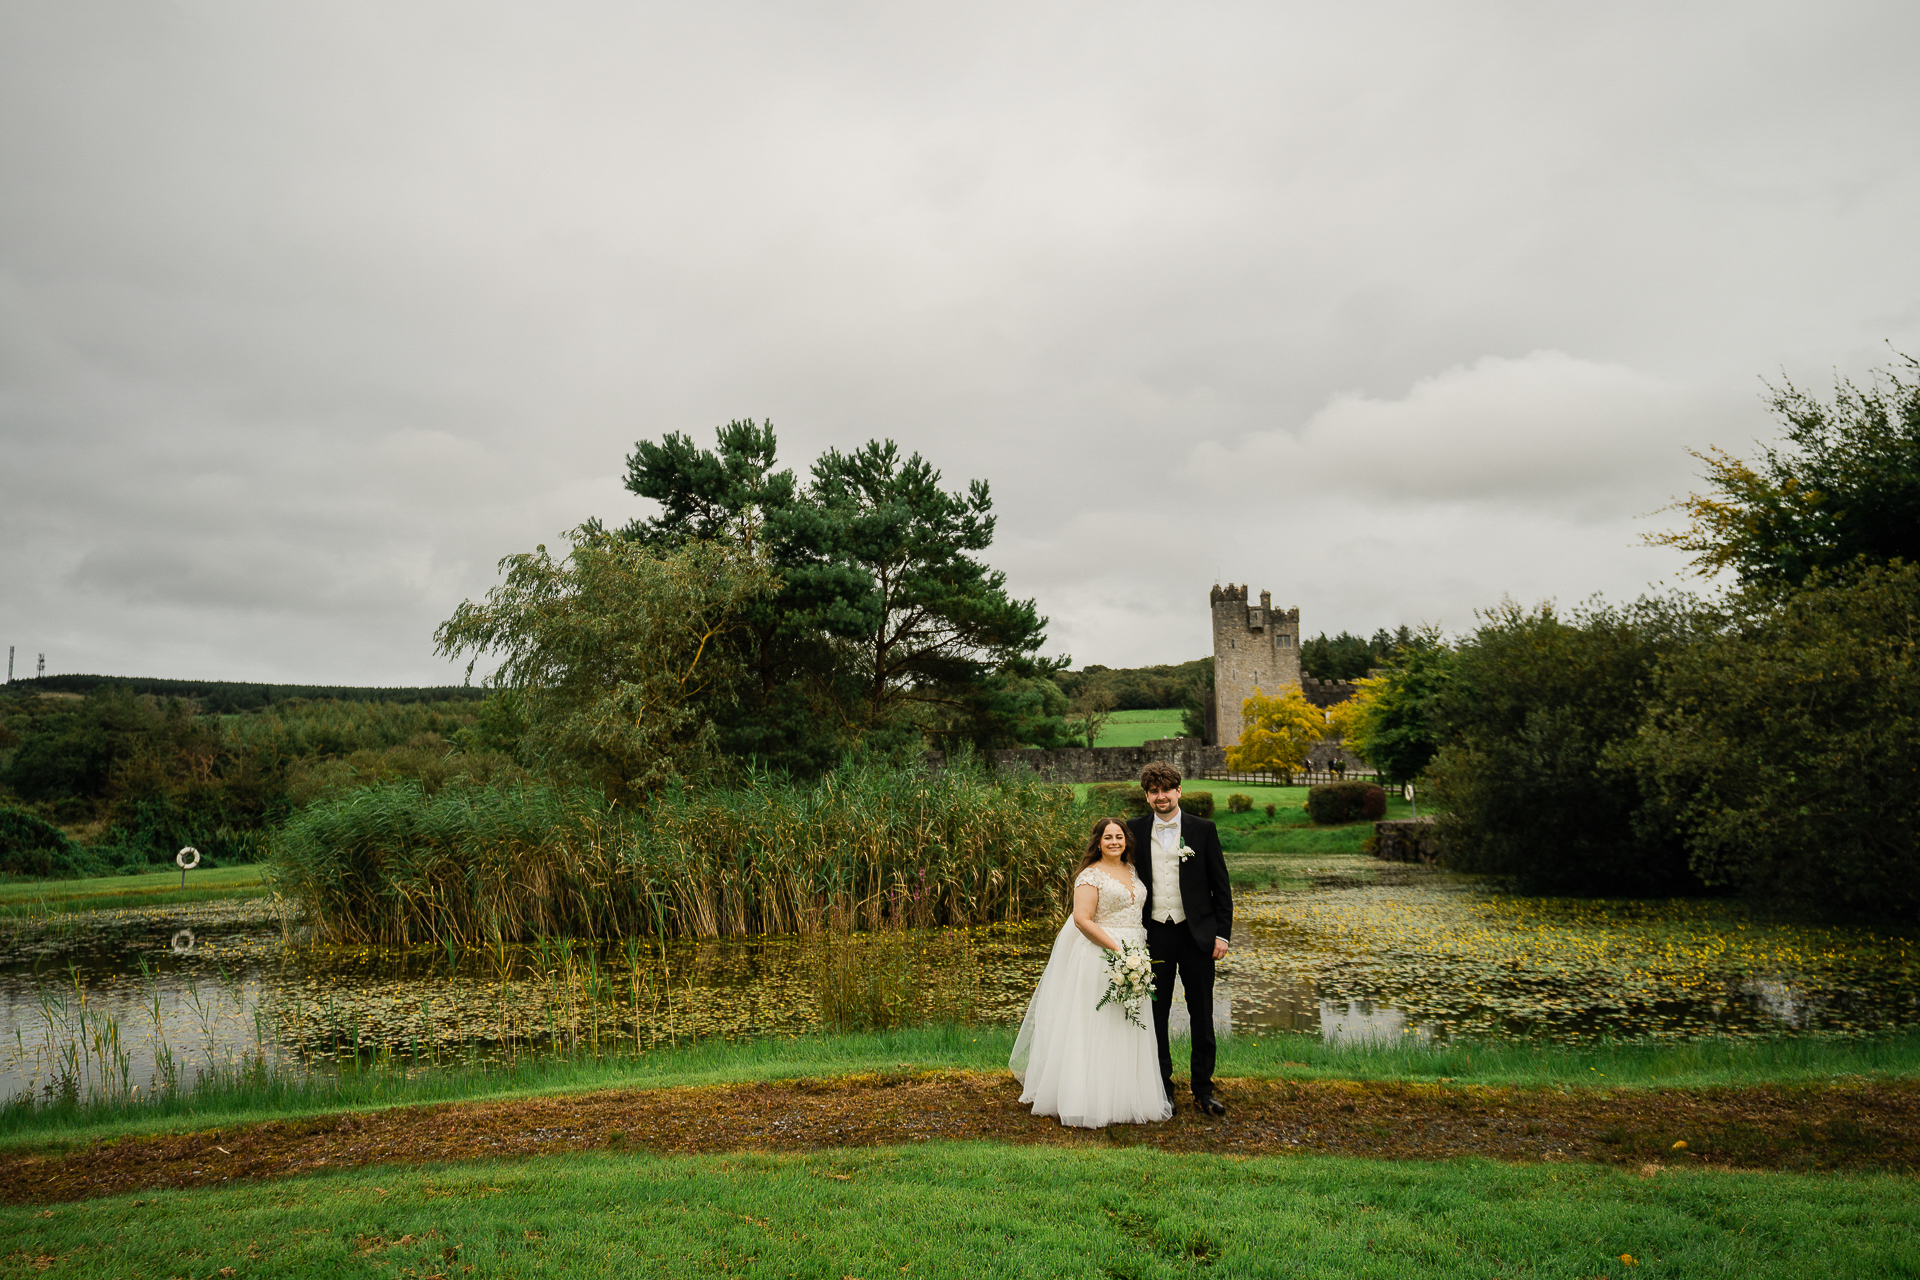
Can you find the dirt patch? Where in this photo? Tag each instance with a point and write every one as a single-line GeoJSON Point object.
{"type": "Point", "coordinates": [1807, 1128]}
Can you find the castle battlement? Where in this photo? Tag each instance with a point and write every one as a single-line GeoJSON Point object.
{"type": "Point", "coordinates": [1255, 646]}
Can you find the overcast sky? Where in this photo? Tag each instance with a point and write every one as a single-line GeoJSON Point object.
{"type": "Point", "coordinates": [310, 313]}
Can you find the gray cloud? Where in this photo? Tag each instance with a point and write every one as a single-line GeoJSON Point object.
{"type": "Point", "coordinates": [308, 315]}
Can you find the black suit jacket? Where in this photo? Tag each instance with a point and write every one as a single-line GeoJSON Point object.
{"type": "Point", "coordinates": [1205, 894]}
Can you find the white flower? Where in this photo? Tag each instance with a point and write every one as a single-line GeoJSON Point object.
{"type": "Point", "coordinates": [1185, 851]}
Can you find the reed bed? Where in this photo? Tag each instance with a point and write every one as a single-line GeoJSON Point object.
{"type": "Point", "coordinates": [864, 848]}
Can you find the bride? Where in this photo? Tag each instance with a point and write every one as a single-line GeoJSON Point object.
{"type": "Point", "coordinates": [1091, 1066]}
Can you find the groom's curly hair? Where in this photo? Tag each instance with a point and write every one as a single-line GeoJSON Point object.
{"type": "Point", "coordinates": [1159, 776]}
{"type": "Point", "coordinates": [1093, 842]}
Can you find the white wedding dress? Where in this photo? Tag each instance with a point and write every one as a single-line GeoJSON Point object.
{"type": "Point", "coordinates": [1091, 1067]}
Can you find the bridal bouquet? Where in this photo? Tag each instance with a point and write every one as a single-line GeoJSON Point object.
{"type": "Point", "coordinates": [1129, 980]}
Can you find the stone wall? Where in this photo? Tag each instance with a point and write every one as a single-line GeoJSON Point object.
{"type": "Point", "coordinates": [1108, 764]}
{"type": "Point", "coordinates": [1325, 693]}
{"type": "Point", "coordinates": [1408, 840]}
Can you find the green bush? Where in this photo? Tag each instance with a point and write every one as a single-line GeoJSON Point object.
{"type": "Point", "coordinates": [1332, 803]}
{"type": "Point", "coordinates": [1531, 781]}
{"type": "Point", "coordinates": [31, 846]}
{"type": "Point", "coordinates": [1785, 746]}
{"type": "Point", "coordinates": [1123, 798]}
{"type": "Point", "coordinates": [1239, 802]}
{"type": "Point", "coordinates": [1273, 810]}
{"type": "Point", "coordinates": [1197, 803]}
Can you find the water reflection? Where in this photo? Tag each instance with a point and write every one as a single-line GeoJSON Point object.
{"type": "Point", "coordinates": [1366, 952]}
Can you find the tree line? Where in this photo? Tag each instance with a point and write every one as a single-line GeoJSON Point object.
{"type": "Point", "coordinates": [1766, 741]}
{"type": "Point", "coordinates": [224, 697]}
{"type": "Point", "coordinates": [117, 780]}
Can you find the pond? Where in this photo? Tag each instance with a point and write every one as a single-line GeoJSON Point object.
{"type": "Point", "coordinates": [1352, 949]}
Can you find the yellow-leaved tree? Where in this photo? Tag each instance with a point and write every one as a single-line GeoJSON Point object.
{"type": "Point", "coordinates": [1353, 720]}
{"type": "Point", "coordinates": [1278, 732]}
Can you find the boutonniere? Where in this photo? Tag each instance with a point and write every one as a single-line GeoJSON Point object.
{"type": "Point", "coordinates": [1185, 851]}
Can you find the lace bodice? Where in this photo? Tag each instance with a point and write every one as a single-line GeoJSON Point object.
{"type": "Point", "coordinates": [1119, 907]}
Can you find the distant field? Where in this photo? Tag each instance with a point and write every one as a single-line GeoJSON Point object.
{"type": "Point", "coordinates": [156, 888]}
{"type": "Point", "coordinates": [1131, 728]}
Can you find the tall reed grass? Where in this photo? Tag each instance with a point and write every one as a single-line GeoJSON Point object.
{"type": "Point", "coordinates": [480, 865]}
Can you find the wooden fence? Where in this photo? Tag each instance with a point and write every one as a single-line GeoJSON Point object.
{"type": "Point", "coordinates": [1304, 778]}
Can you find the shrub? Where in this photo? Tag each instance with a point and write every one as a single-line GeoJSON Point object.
{"type": "Point", "coordinates": [1127, 799]}
{"type": "Point", "coordinates": [1785, 747]}
{"type": "Point", "coordinates": [1197, 803]}
{"type": "Point", "coordinates": [1332, 803]}
{"type": "Point", "coordinates": [1530, 780]}
{"type": "Point", "coordinates": [1273, 810]}
{"type": "Point", "coordinates": [31, 846]}
{"type": "Point", "coordinates": [1239, 802]}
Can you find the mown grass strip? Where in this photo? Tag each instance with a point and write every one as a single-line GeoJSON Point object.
{"type": "Point", "coordinates": [984, 1210]}
{"type": "Point", "coordinates": [158, 888]}
{"type": "Point", "coordinates": [247, 1099]}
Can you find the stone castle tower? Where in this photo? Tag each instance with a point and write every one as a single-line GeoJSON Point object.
{"type": "Point", "coordinates": [1254, 647]}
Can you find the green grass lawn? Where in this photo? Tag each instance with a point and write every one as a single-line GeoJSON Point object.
{"type": "Point", "coordinates": [1131, 728]}
{"type": "Point", "coordinates": [151, 889]}
{"type": "Point", "coordinates": [1280, 1055]}
{"type": "Point", "coordinates": [984, 1210]}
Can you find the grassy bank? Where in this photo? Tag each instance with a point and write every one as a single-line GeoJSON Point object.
{"type": "Point", "coordinates": [243, 1098]}
{"type": "Point", "coordinates": [979, 1209]}
{"type": "Point", "coordinates": [158, 888]}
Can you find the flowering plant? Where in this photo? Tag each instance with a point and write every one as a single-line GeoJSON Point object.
{"type": "Point", "coordinates": [1185, 851]}
{"type": "Point", "coordinates": [1129, 979]}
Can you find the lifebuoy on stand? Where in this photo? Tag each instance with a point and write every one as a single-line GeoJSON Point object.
{"type": "Point", "coordinates": [188, 858]}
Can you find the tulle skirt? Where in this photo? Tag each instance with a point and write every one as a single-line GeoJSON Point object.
{"type": "Point", "coordinates": [1088, 1066]}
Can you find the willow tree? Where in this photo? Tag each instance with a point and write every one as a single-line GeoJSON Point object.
{"type": "Point", "coordinates": [615, 652]}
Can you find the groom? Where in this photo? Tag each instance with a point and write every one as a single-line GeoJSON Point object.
{"type": "Point", "coordinates": [1189, 916]}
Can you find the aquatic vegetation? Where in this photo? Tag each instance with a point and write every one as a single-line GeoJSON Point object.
{"type": "Point", "coordinates": [235, 1006]}
{"type": "Point", "coordinates": [168, 1002]}
{"type": "Point", "coordinates": [1456, 959]}
{"type": "Point", "coordinates": [475, 866]}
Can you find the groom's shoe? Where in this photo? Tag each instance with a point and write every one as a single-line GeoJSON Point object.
{"type": "Point", "coordinates": [1208, 1105]}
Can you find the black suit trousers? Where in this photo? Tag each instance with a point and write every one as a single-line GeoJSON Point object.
{"type": "Point", "coordinates": [1175, 951]}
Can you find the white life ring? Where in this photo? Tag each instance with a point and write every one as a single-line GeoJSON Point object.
{"type": "Point", "coordinates": [187, 859]}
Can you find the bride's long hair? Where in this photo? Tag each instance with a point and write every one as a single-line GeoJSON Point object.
{"type": "Point", "coordinates": [1093, 843]}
